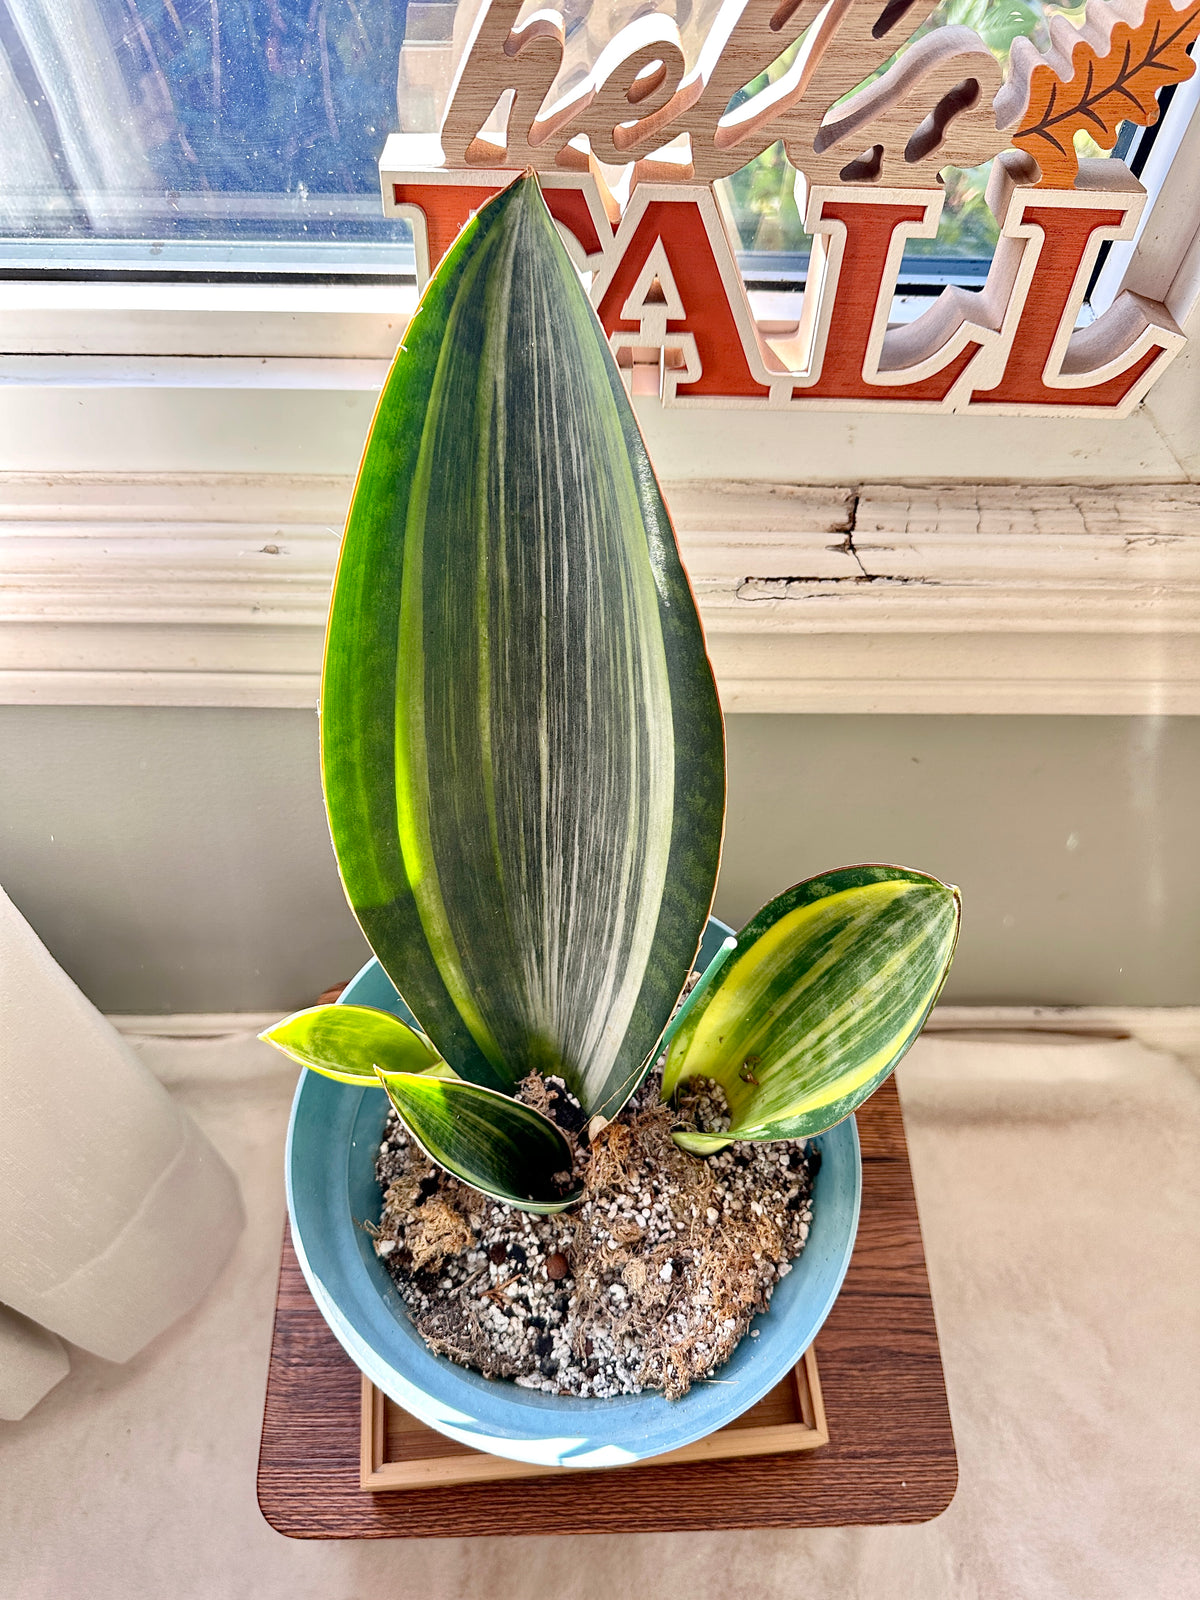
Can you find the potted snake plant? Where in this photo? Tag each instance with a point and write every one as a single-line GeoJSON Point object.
{"type": "Point", "coordinates": [524, 775]}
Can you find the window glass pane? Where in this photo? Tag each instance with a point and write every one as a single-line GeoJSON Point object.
{"type": "Point", "coordinates": [178, 123]}
{"type": "Point", "coordinates": [224, 133]}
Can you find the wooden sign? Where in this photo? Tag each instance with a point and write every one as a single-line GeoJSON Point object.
{"type": "Point", "coordinates": [629, 155]}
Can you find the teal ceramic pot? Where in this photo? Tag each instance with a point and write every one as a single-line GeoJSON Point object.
{"type": "Point", "coordinates": [331, 1189]}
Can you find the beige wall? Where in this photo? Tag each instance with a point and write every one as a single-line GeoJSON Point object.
{"type": "Point", "coordinates": [177, 860]}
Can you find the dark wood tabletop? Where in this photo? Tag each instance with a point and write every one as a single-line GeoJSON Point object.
{"type": "Point", "coordinates": [890, 1456]}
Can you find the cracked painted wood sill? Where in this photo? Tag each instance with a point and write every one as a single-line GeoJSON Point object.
{"type": "Point", "coordinates": [212, 590]}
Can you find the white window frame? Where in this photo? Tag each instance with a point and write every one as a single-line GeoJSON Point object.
{"type": "Point", "coordinates": [175, 460]}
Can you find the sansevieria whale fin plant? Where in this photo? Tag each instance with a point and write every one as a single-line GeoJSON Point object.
{"type": "Point", "coordinates": [524, 767]}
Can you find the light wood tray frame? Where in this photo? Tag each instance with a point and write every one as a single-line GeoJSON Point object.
{"type": "Point", "coordinates": [398, 1452]}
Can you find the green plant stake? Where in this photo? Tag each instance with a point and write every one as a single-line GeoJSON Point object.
{"type": "Point", "coordinates": [524, 765]}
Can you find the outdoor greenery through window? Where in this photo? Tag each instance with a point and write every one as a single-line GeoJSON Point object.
{"type": "Point", "coordinates": [218, 134]}
{"type": "Point", "coordinates": [762, 195]}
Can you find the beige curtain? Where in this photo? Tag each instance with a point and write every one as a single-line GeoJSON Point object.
{"type": "Point", "coordinates": [115, 1211]}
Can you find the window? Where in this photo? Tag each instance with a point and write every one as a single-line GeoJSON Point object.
{"type": "Point", "coordinates": [171, 137]}
{"type": "Point", "coordinates": [235, 142]}
{"type": "Point", "coordinates": [179, 428]}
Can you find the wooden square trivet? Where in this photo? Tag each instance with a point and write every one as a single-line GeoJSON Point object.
{"type": "Point", "coordinates": [398, 1452]}
{"type": "Point", "coordinates": [890, 1455]}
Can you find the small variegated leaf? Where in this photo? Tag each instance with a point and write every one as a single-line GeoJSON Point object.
{"type": "Point", "coordinates": [522, 748]}
{"type": "Point", "coordinates": [347, 1043]}
{"type": "Point", "coordinates": [499, 1146]}
{"type": "Point", "coordinates": [828, 987]}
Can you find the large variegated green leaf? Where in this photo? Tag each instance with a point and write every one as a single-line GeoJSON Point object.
{"type": "Point", "coordinates": [522, 748]}
{"type": "Point", "coordinates": [828, 987]}
{"type": "Point", "coordinates": [496, 1144]}
{"type": "Point", "coordinates": [347, 1043]}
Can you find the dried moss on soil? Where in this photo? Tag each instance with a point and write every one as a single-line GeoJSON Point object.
{"type": "Point", "coordinates": [648, 1283]}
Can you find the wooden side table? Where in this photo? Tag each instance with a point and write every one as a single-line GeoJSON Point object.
{"type": "Point", "coordinates": [890, 1456]}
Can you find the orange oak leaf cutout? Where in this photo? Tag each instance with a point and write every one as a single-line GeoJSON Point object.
{"type": "Point", "coordinates": [1094, 77]}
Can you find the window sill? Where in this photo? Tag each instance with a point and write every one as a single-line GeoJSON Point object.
{"type": "Point", "coordinates": [211, 590]}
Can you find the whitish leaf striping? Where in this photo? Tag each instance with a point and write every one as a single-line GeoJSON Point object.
{"type": "Point", "coordinates": [522, 746]}
{"type": "Point", "coordinates": [541, 722]}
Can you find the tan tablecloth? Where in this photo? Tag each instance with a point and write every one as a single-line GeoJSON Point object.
{"type": "Point", "coordinates": [1059, 1188]}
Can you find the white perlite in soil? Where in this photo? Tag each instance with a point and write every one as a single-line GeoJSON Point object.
{"type": "Point", "coordinates": [649, 1282]}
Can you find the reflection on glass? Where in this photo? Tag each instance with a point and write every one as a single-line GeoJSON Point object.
{"type": "Point", "coordinates": [193, 120]}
